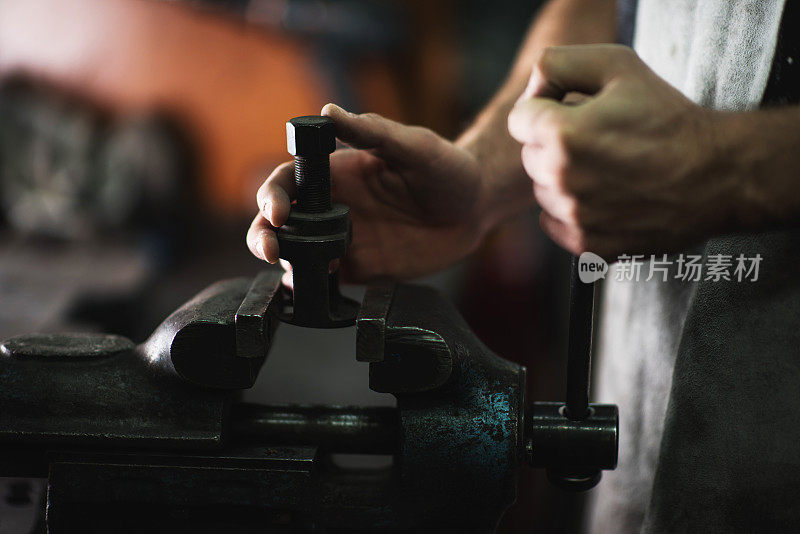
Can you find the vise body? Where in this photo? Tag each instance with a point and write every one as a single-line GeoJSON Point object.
{"type": "Point", "coordinates": [154, 432]}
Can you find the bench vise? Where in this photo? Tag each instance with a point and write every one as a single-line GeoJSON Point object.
{"type": "Point", "coordinates": [151, 437]}
{"type": "Point", "coordinates": [153, 432]}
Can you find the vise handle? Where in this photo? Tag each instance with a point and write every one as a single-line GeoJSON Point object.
{"type": "Point", "coordinates": [574, 440]}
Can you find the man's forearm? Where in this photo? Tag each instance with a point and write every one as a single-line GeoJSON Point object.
{"type": "Point", "coordinates": [757, 153]}
{"type": "Point", "coordinates": [560, 22]}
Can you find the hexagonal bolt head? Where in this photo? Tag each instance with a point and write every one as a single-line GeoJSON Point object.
{"type": "Point", "coordinates": [310, 136]}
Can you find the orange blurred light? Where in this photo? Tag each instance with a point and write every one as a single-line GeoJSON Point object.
{"type": "Point", "coordinates": [233, 85]}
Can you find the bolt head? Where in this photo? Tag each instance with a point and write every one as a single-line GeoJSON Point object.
{"type": "Point", "coordinates": [309, 136]}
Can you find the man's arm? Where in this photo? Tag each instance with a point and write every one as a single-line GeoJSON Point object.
{"type": "Point", "coordinates": [760, 151]}
{"type": "Point", "coordinates": [418, 202]}
{"type": "Point", "coordinates": [560, 22]}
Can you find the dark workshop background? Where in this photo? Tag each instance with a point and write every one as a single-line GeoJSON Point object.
{"type": "Point", "coordinates": [133, 137]}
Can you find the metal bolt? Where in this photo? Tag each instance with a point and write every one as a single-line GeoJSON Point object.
{"type": "Point", "coordinates": [311, 139]}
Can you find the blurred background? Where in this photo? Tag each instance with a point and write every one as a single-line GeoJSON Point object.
{"type": "Point", "coordinates": [135, 133]}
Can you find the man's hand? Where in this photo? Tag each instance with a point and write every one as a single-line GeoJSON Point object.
{"type": "Point", "coordinates": [632, 167]}
{"type": "Point", "coordinates": [417, 201]}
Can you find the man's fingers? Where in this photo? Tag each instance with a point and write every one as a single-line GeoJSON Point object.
{"type": "Point", "coordinates": [574, 99]}
{"type": "Point", "coordinates": [585, 69]}
{"type": "Point", "coordinates": [368, 130]}
{"type": "Point", "coordinates": [388, 139]}
{"type": "Point", "coordinates": [540, 117]}
{"type": "Point", "coordinates": [539, 121]}
{"type": "Point", "coordinates": [544, 165]}
{"type": "Point", "coordinates": [262, 241]}
{"type": "Point", "coordinates": [287, 279]}
{"type": "Point", "coordinates": [275, 194]}
{"type": "Point", "coordinates": [556, 204]}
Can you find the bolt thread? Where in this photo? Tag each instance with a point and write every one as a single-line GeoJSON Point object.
{"type": "Point", "coordinates": [312, 176]}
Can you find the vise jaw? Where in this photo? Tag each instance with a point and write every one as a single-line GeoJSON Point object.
{"type": "Point", "coordinates": [171, 392]}
{"type": "Point", "coordinates": [220, 338]}
{"type": "Point", "coordinates": [460, 406]}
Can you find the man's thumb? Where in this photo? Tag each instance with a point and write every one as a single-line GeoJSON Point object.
{"type": "Point", "coordinates": [583, 69]}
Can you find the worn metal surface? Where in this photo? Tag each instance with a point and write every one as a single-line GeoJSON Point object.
{"type": "Point", "coordinates": [98, 397]}
{"type": "Point", "coordinates": [461, 408]}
